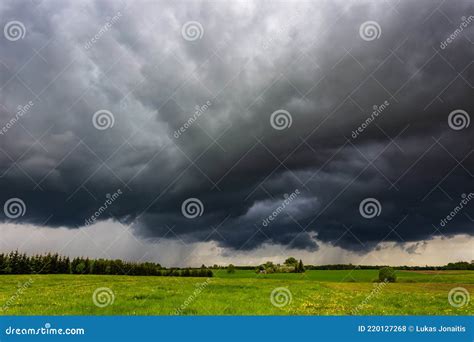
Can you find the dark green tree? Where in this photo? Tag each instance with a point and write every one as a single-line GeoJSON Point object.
{"type": "Point", "coordinates": [300, 267]}
{"type": "Point", "coordinates": [291, 262]}
{"type": "Point", "coordinates": [387, 274]}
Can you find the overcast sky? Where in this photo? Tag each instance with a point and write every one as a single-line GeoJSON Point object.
{"type": "Point", "coordinates": [189, 132]}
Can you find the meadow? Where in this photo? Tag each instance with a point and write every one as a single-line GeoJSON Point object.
{"type": "Point", "coordinates": [358, 276]}
{"type": "Point", "coordinates": [325, 292]}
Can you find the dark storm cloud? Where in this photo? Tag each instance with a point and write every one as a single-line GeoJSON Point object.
{"type": "Point", "coordinates": [191, 119]}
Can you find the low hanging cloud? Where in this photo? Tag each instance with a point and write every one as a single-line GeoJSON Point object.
{"type": "Point", "coordinates": [342, 101]}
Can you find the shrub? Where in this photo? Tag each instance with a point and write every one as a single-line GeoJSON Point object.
{"type": "Point", "coordinates": [387, 274]}
{"type": "Point", "coordinates": [231, 268]}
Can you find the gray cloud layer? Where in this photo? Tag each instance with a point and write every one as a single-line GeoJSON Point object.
{"type": "Point", "coordinates": [252, 59]}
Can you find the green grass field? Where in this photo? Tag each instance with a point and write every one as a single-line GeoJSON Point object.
{"type": "Point", "coordinates": [242, 293]}
{"type": "Point", "coordinates": [466, 277]}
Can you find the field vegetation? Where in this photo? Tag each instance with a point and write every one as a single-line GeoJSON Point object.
{"type": "Point", "coordinates": [55, 285]}
{"type": "Point", "coordinates": [319, 292]}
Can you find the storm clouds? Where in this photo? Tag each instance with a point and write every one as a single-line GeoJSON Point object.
{"type": "Point", "coordinates": [298, 111]}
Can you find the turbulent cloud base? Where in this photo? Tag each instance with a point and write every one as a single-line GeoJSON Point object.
{"type": "Point", "coordinates": [108, 85]}
{"type": "Point", "coordinates": [110, 240]}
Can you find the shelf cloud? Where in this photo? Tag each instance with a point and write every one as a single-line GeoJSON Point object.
{"type": "Point", "coordinates": [244, 125]}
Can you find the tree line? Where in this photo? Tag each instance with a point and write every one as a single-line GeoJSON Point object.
{"type": "Point", "coordinates": [461, 265]}
{"type": "Point", "coordinates": [291, 265]}
{"type": "Point", "coordinates": [20, 263]}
